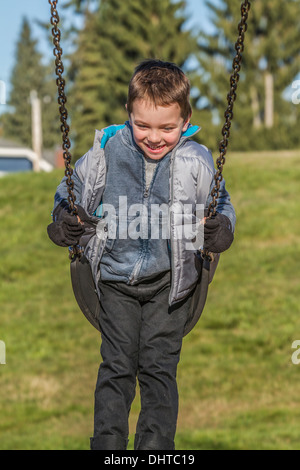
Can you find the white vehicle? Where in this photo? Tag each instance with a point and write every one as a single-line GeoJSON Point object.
{"type": "Point", "coordinates": [14, 160]}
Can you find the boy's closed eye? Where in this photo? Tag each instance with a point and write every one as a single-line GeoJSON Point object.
{"type": "Point", "coordinates": [144, 126]}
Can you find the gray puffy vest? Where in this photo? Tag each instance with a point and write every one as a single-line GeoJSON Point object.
{"type": "Point", "coordinates": [191, 178]}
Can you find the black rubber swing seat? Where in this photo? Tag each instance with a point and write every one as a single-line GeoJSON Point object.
{"type": "Point", "coordinates": [87, 298]}
{"type": "Point", "coordinates": [84, 290]}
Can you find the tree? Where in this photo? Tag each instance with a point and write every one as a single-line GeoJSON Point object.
{"type": "Point", "coordinates": [29, 73]}
{"type": "Point", "coordinates": [271, 62]}
{"type": "Point", "coordinates": [115, 38]}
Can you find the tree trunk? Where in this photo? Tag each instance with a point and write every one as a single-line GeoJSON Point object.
{"type": "Point", "coordinates": [257, 123]}
{"type": "Point", "coordinates": [269, 100]}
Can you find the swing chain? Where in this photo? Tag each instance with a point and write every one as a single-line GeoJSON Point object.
{"type": "Point", "coordinates": [65, 129]}
{"type": "Point", "coordinates": [231, 97]}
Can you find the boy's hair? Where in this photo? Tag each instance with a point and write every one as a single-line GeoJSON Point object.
{"type": "Point", "coordinates": [163, 83]}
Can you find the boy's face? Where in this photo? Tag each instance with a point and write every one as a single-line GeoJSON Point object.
{"type": "Point", "coordinates": [156, 130]}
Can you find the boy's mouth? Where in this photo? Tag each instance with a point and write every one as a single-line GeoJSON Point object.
{"type": "Point", "coordinates": [155, 148]}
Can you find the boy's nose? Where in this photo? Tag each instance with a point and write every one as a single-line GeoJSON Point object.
{"type": "Point", "coordinates": [153, 137]}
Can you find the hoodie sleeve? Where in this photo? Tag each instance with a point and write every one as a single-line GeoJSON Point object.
{"type": "Point", "coordinates": [62, 194]}
{"type": "Point", "coordinates": [224, 205]}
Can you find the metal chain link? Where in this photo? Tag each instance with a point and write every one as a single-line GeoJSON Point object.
{"type": "Point", "coordinates": [65, 129]}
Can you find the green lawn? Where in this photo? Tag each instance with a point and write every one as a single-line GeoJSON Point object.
{"type": "Point", "coordinates": [238, 386]}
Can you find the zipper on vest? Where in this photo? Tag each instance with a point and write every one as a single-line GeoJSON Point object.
{"type": "Point", "coordinates": [139, 263]}
{"type": "Point", "coordinates": [171, 235]}
{"type": "Point", "coordinates": [172, 198]}
{"type": "Point", "coordinates": [136, 270]}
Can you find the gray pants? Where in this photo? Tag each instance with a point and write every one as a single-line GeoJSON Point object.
{"type": "Point", "coordinates": [141, 337]}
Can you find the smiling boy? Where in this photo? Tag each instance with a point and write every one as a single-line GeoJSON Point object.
{"type": "Point", "coordinates": [158, 107]}
{"type": "Point", "coordinates": [145, 284]}
{"type": "Point", "coordinates": [156, 129]}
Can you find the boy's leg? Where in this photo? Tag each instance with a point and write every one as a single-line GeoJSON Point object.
{"type": "Point", "coordinates": [160, 345]}
{"type": "Point", "coordinates": [115, 389]}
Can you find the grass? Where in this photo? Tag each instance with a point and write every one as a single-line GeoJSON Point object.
{"type": "Point", "coordinates": [238, 386]}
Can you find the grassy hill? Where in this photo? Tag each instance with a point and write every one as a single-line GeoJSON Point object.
{"type": "Point", "coordinates": [238, 385]}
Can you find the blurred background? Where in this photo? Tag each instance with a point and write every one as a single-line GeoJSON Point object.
{"type": "Point", "coordinates": [239, 372]}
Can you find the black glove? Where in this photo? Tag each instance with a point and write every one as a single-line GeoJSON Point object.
{"type": "Point", "coordinates": [218, 234]}
{"type": "Point", "coordinates": [66, 230]}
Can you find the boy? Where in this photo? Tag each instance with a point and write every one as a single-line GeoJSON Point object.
{"type": "Point", "coordinates": [144, 274]}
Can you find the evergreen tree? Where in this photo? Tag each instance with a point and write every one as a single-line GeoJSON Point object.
{"type": "Point", "coordinates": [30, 74]}
{"type": "Point", "coordinates": [270, 63]}
{"type": "Point", "coordinates": [115, 38]}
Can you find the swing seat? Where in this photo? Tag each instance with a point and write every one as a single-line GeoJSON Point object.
{"type": "Point", "coordinates": [87, 298]}
{"type": "Point", "coordinates": [84, 290]}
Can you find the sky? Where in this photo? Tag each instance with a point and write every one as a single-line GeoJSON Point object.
{"type": "Point", "coordinates": [12, 13]}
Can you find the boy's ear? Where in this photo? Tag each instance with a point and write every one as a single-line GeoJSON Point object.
{"type": "Point", "coordinates": [186, 124]}
{"type": "Point", "coordinates": [128, 112]}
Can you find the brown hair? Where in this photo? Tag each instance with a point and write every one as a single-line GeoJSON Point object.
{"type": "Point", "coordinates": [163, 83]}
